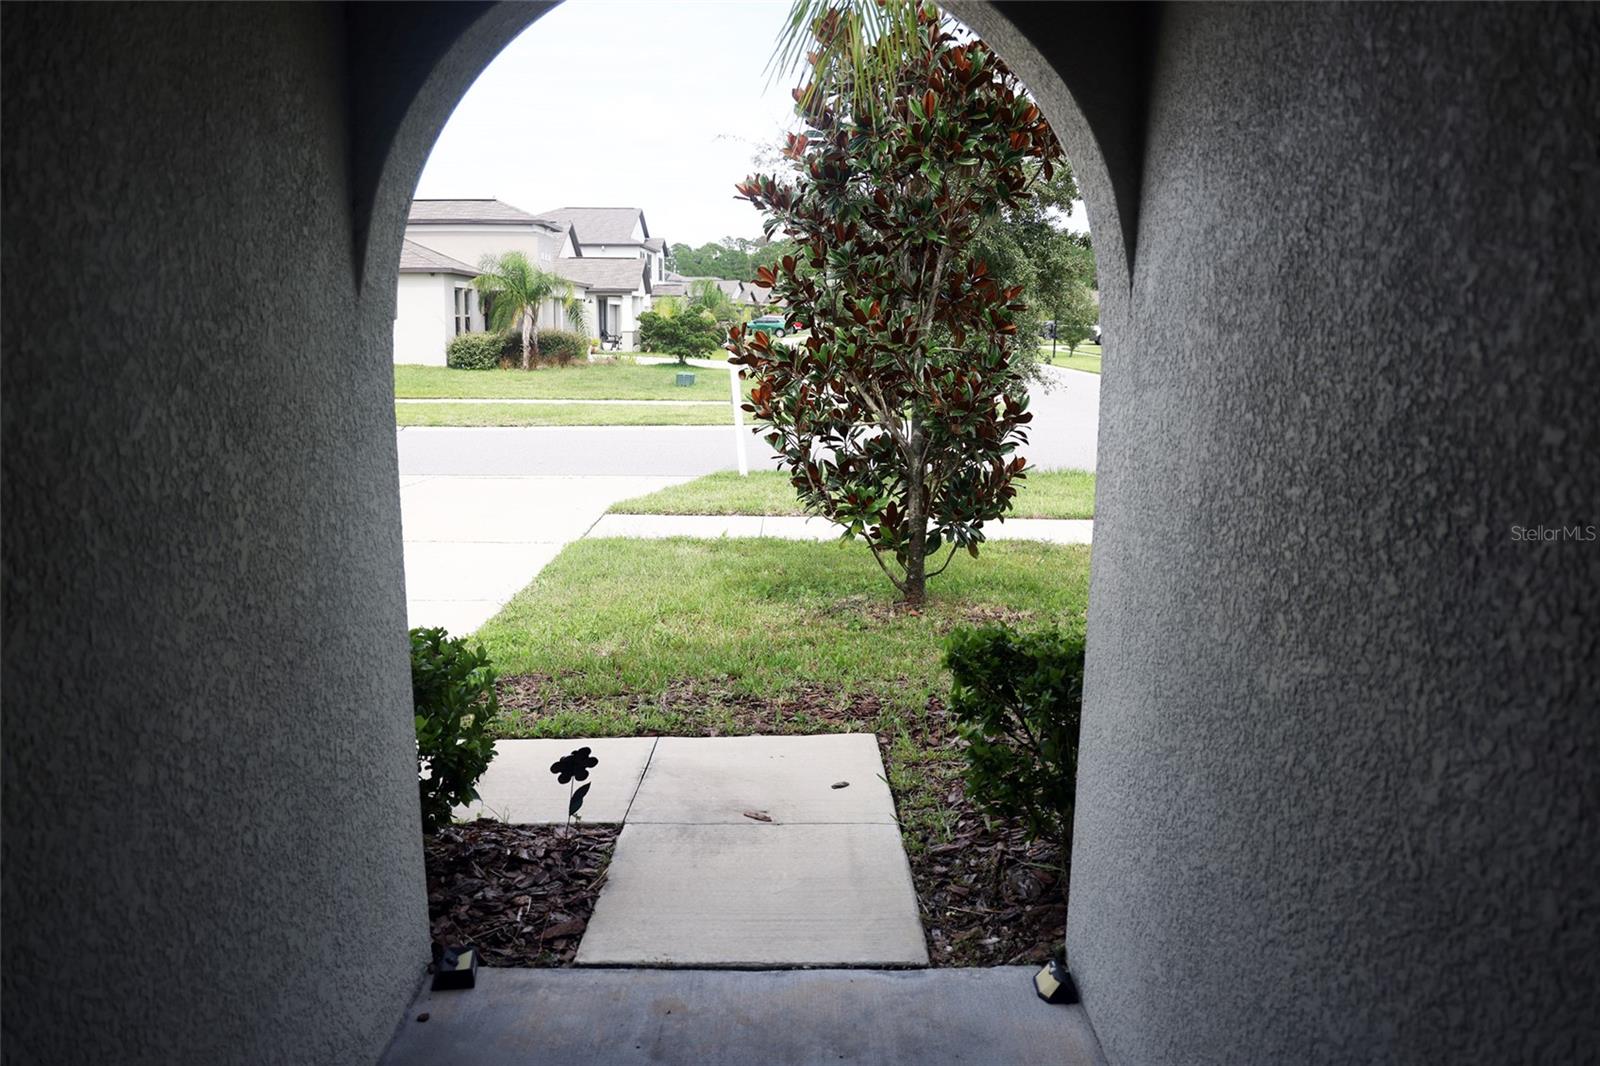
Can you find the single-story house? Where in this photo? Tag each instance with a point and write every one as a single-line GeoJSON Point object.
{"type": "Point", "coordinates": [727, 285]}
{"type": "Point", "coordinates": [758, 296]}
{"type": "Point", "coordinates": [434, 301]}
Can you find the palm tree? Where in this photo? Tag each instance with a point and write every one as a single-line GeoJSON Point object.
{"type": "Point", "coordinates": [517, 290]}
{"type": "Point", "coordinates": [706, 294]}
{"type": "Point", "coordinates": [858, 47]}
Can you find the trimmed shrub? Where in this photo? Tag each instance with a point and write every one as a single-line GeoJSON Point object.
{"type": "Point", "coordinates": [557, 347]}
{"type": "Point", "coordinates": [1016, 698]}
{"type": "Point", "coordinates": [452, 687]}
{"type": "Point", "coordinates": [685, 334]}
{"type": "Point", "coordinates": [562, 346]}
{"type": "Point", "coordinates": [473, 351]}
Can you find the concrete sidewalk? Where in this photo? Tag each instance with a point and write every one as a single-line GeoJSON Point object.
{"type": "Point", "coordinates": [471, 543]}
{"type": "Point", "coordinates": [790, 527]}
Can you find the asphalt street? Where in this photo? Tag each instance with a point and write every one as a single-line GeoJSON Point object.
{"type": "Point", "coordinates": [1063, 434]}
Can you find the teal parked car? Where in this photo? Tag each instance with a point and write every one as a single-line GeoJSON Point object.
{"type": "Point", "coordinates": [777, 325]}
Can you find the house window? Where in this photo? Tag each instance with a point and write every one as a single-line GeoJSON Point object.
{"type": "Point", "coordinates": [463, 310]}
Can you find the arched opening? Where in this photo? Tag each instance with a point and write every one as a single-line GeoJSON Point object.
{"type": "Point", "coordinates": [1342, 682]}
{"type": "Point", "coordinates": [1079, 413]}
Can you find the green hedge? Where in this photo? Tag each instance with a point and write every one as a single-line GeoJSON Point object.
{"type": "Point", "coordinates": [556, 346]}
{"type": "Point", "coordinates": [474, 351]}
{"type": "Point", "coordinates": [562, 346]}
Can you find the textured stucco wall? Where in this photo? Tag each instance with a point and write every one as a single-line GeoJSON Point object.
{"type": "Point", "coordinates": [1338, 792]}
{"type": "Point", "coordinates": [212, 851]}
{"type": "Point", "coordinates": [1337, 796]}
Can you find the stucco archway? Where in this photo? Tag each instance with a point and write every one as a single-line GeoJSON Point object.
{"type": "Point", "coordinates": [1337, 773]}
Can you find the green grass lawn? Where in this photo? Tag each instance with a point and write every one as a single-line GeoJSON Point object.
{"type": "Point", "coordinates": [1042, 494]}
{"type": "Point", "coordinates": [620, 637]}
{"type": "Point", "coordinates": [581, 381]}
{"type": "Point", "coordinates": [540, 414]}
{"type": "Point", "coordinates": [1086, 358]}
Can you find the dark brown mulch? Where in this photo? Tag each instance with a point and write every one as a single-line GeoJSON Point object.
{"type": "Point", "coordinates": [521, 894]}
{"type": "Point", "coordinates": [873, 611]}
{"type": "Point", "coordinates": [987, 896]}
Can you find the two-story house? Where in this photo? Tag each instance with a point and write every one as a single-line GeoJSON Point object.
{"type": "Point", "coordinates": [606, 254]}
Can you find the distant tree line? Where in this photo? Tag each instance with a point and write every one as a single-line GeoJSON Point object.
{"type": "Point", "coordinates": [1027, 244]}
{"type": "Point", "coordinates": [732, 258]}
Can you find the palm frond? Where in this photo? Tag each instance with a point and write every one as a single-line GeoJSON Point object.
{"type": "Point", "coordinates": [577, 313]}
{"type": "Point", "coordinates": [857, 55]}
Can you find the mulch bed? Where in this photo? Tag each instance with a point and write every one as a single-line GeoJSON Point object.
{"type": "Point", "coordinates": [521, 894]}
{"type": "Point", "coordinates": [987, 896]}
{"type": "Point", "coordinates": [871, 610]}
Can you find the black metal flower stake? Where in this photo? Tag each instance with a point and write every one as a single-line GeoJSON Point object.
{"type": "Point", "coordinates": [570, 768]}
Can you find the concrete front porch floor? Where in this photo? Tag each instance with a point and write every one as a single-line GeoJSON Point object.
{"type": "Point", "coordinates": [734, 1018]}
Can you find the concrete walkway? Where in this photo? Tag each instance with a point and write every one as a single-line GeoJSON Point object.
{"type": "Point", "coordinates": [763, 851]}
{"type": "Point", "coordinates": [471, 543]}
{"type": "Point", "coordinates": [987, 1017]}
{"type": "Point", "coordinates": [790, 527]}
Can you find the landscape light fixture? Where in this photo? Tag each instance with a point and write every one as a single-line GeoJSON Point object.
{"type": "Point", "coordinates": [1054, 984]}
{"type": "Point", "coordinates": [454, 967]}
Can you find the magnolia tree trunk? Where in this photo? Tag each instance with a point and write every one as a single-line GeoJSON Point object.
{"type": "Point", "coordinates": [915, 590]}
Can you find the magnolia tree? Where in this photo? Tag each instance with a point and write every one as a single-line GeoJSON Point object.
{"type": "Point", "coordinates": [900, 416]}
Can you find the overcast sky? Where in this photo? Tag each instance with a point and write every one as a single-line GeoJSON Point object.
{"type": "Point", "coordinates": [624, 103]}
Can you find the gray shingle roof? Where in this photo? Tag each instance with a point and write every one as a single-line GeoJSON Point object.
{"type": "Point", "coordinates": [600, 225]}
{"type": "Point", "coordinates": [417, 259]}
{"type": "Point", "coordinates": [730, 287]}
{"type": "Point", "coordinates": [605, 275]}
{"type": "Point", "coordinates": [670, 288]}
{"type": "Point", "coordinates": [755, 294]}
{"type": "Point", "coordinates": [656, 244]}
{"type": "Point", "coordinates": [459, 212]}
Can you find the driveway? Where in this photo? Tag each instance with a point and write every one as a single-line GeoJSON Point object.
{"type": "Point", "coordinates": [471, 543]}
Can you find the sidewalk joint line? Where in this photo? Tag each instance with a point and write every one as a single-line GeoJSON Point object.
{"type": "Point", "coordinates": [637, 785]}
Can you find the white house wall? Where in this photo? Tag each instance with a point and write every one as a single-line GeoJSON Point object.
{"type": "Point", "coordinates": [552, 315]}
{"type": "Point", "coordinates": [471, 243]}
{"type": "Point", "coordinates": [424, 317]}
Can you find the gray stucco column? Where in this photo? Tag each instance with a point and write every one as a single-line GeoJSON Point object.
{"type": "Point", "coordinates": [1337, 793]}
